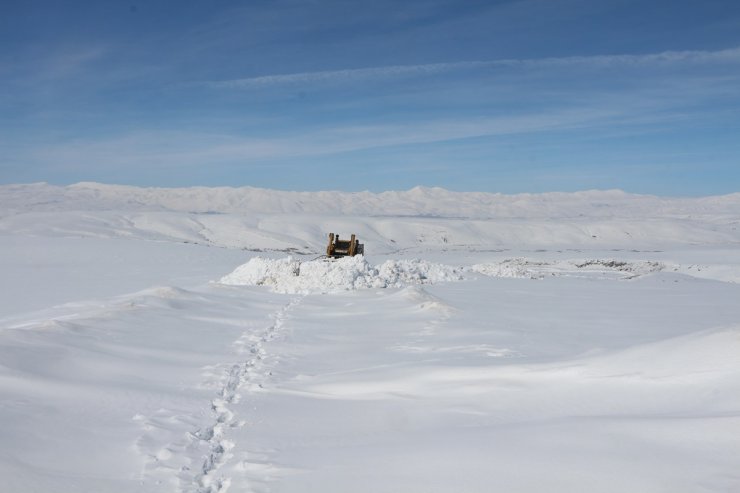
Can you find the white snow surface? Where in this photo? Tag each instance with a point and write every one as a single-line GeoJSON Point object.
{"type": "Point", "coordinates": [184, 341]}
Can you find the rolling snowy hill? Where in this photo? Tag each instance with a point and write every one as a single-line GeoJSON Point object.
{"type": "Point", "coordinates": [257, 219]}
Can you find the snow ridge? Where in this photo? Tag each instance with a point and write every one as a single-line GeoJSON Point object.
{"type": "Point", "coordinates": [419, 219]}
{"type": "Point", "coordinates": [419, 201]}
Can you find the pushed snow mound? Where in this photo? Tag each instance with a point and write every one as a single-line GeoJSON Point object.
{"type": "Point", "coordinates": [289, 275]}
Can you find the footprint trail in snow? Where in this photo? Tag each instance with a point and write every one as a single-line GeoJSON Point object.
{"type": "Point", "coordinates": [248, 374]}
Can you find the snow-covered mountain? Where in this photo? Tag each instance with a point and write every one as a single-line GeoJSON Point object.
{"type": "Point", "coordinates": [259, 219]}
{"type": "Point", "coordinates": [419, 201]}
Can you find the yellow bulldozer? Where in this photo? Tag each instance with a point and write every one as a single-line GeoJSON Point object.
{"type": "Point", "coordinates": [344, 248]}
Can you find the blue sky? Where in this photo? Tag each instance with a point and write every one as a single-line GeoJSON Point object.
{"type": "Point", "coordinates": [498, 96]}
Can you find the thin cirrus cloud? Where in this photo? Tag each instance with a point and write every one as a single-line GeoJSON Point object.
{"type": "Point", "coordinates": [178, 149]}
{"type": "Point", "coordinates": [731, 55]}
{"type": "Point", "coordinates": [636, 107]}
{"type": "Point", "coordinates": [343, 75]}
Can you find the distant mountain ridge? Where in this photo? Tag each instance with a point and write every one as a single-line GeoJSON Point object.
{"type": "Point", "coordinates": [416, 202]}
{"type": "Point", "coordinates": [417, 219]}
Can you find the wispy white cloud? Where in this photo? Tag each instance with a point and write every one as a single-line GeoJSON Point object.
{"type": "Point", "coordinates": [731, 55]}
{"type": "Point", "coordinates": [177, 150]}
{"type": "Point", "coordinates": [347, 75]}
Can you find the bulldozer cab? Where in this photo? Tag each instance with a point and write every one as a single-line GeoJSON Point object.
{"type": "Point", "coordinates": [344, 248]}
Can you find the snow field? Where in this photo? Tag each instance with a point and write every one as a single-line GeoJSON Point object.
{"type": "Point", "coordinates": [439, 397]}
{"type": "Point", "coordinates": [530, 349]}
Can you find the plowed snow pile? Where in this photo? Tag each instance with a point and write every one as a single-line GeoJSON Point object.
{"type": "Point", "coordinates": [539, 269]}
{"type": "Point", "coordinates": [289, 275]}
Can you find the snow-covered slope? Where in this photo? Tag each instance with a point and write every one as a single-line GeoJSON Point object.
{"type": "Point", "coordinates": [420, 218]}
